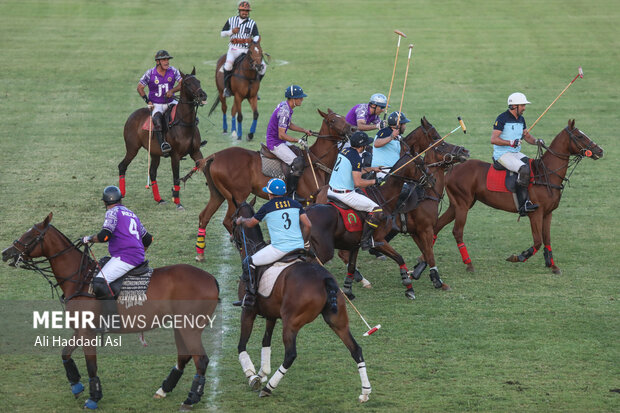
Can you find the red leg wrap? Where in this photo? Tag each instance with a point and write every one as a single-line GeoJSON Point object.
{"type": "Point", "coordinates": [155, 188]}
{"type": "Point", "coordinates": [464, 253]}
{"type": "Point", "coordinates": [200, 241]}
{"type": "Point", "coordinates": [349, 275]}
{"type": "Point", "coordinates": [434, 239]}
{"type": "Point", "coordinates": [404, 267]}
{"type": "Point", "coordinates": [121, 184]}
{"type": "Point", "coordinates": [548, 248]}
{"type": "Point", "coordinates": [175, 194]}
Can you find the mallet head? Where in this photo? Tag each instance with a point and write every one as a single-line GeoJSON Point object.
{"type": "Point", "coordinates": [580, 72]}
{"type": "Point", "coordinates": [398, 32]}
{"type": "Point", "coordinates": [372, 330]}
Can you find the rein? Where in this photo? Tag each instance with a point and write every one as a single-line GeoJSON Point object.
{"type": "Point", "coordinates": [195, 103]}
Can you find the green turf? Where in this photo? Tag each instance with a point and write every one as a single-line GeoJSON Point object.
{"type": "Point", "coordinates": [510, 337]}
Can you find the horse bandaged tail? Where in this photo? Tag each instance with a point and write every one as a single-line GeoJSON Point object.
{"type": "Point", "coordinates": [270, 276]}
{"type": "Point", "coordinates": [272, 167]}
{"type": "Point", "coordinates": [133, 291]}
{"type": "Point", "coordinates": [352, 221]}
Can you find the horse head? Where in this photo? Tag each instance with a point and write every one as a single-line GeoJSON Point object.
{"type": "Point", "coordinates": [247, 240]}
{"type": "Point", "coordinates": [29, 245]}
{"type": "Point", "coordinates": [426, 135]}
{"type": "Point", "coordinates": [335, 126]}
{"type": "Point", "coordinates": [580, 144]}
{"type": "Point", "coordinates": [191, 91]}
{"type": "Point", "coordinates": [255, 55]}
{"type": "Point", "coordinates": [411, 167]}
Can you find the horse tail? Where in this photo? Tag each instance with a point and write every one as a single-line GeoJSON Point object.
{"type": "Point", "coordinates": [332, 293]}
{"type": "Point", "coordinates": [201, 164]}
{"type": "Point", "coordinates": [215, 103]}
{"type": "Point", "coordinates": [206, 168]}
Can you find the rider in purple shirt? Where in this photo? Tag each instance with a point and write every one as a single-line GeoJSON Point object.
{"type": "Point", "coordinates": [160, 80]}
{"type": "Point", "coordinates": [278, 138]}
{"type": "Point", "coordinates": [366, 115]}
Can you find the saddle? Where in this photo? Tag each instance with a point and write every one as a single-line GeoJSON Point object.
{"type": "Point", "coordinates": [353, 221]}
{"type": "Point", "coordinates": [268, 274]}
{"type": "Point", "coordinates": [272, 166]}
{"type": "Point", "coordinates": [499, 179]}
{"type": "Point", "coordinates": [169, 118]}
{"type": "Point", "coordinates": [138, 274]}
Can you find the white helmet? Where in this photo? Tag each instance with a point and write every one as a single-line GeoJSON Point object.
{"type": "Point", "coordinates": [379, 100]}
{"type": "Point", "coordinates": [518, 98]}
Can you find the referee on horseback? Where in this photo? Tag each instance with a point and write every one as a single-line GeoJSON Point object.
{"type": "Point", "coordinates": [242, 31]}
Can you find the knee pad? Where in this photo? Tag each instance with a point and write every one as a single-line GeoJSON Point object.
{"type": "Point", "coordinates": [228, 66]}
{"type": "Point", "coordinates": [524, 175]}
{"type": "Point", "coordinates": [100, 287]}
{"type": "Point", "coordinates": [297, 166]}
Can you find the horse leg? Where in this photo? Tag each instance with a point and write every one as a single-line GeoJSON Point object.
{"type": "Point", "coordinates": [254, 105]}
{"type": "Point", "coordinates": [549, 262]}
{"type": "Point", "coordinates": [177, 371]}
{"type": "Point", "coordinates": [215, 200]}
{"type": "Point", "coordinates": [95, 392]}
{"type": "Point", "coordinates": [237, 106]}
{"type": "Point", "coordinates": [443, 220]}
{"type": "Point", "coordinates": [247, 323]}
{"type": "Point", "coordinates": [457, 232]}
{"type": "Point", "coordinates": [424, 241]}
{"type": "Point", "coordinates": [73, 375]}
{"type": "Point", "coordinates": [265, 352]}
{"type": "Point", "coordinates": [536, 224]}
{"type": "Point", "coordinates": [131, 153]}
{"type": "Point", "coordinates": [387, 250]}
{"type": "Point", "coordinates": [153, 174]}
{"type": "Point", "coordinates": [194, 345]}
{"type": "Point", "coordinates": [176, 189]}
{"type": "Point", "coordinates": [339, 323]}
{"type": "Point", "coordinates": [289, 336]}
{"type": "Point", "coordinates": [233, 120]}
{"type": "Point", "coordinates": [224, 110]}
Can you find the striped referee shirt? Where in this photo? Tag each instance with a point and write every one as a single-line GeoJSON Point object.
{"type": "Point", "coordinates": [247, 29]}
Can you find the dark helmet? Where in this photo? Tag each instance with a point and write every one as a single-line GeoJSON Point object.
{"type": "Point", "coordinates": [111, 195]}
{"type": "Point", "coordinates": [360, 139]}
{"type": "Point", "coordinates": [162, 54]}
{"type": "Point", "coordinates": [393, 119]}
{"type": "Point", "coordinates": [244, 5]}
{"type": "Point", "coordinates": [294, 92]}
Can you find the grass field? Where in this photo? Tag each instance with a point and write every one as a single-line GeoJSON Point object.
{"type": "Point", "coordinates": [506, 338]}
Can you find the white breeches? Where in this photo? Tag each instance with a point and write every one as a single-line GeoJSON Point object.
{"type": "Point", "coordinates": [512, 161]}
{"type": "Point", "coordinates": [285, 153]}
{"type": "Point", "coordinates": [162, 107]}
{"type": "Point", "coordinates": [114, 269]}
{"type": "Point", "coordinates": [232, 55]}
{"type": "Point", "coordinates": [356, 201]}
{"type": "Point", "coordinates": [267, 255]}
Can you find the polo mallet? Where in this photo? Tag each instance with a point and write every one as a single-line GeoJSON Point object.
{"type": "Point", "coordinates": [400, 34]}
{"type": "Point", "coordinates": [461, 126]}
{"type": "Point", "coordinates": [371, 330]}
{"type": "Point", "coordinates": [580, 75]}
{"type": "Point", "coordinates": [148, 156]}
{"type": "Point", "coordinates": [402, 98]}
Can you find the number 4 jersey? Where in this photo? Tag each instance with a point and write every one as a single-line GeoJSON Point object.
{"type": "Point", "coordinates": [282, 217]}
{"type": "Point", "coordinates": [127, 232]}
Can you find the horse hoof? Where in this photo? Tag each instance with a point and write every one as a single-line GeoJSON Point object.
{"type": "Point", "coordinates": [77, 389]}
{"type": "Point", "coordinates": [161, 202]}
{"type": "Point", "coordinates": [265, 392]}
{"type": "Point", "coordinates": [470, 268]}
{"type": "Point", "coordinates": [180, 207]}
{"type": "Point", "coordinates": [410, 294]}
{"type": "Point", "coordinates": [445, 287]}
{"type": "Point", "coordinates": [200, 258]}
{"type": "Point", "coordinates": [513, 258]}
{"type": "Point", "coordinates": [159, 394]}
{"type": "Point", "coordinates": [254, 382]}
{"type": "Point", "coordinates": [348, 293]}
{"type": "Point", "coordinates": [233, 134]}
{"type": "Point", "coordinates": [363, 398]}
{"type": "Point", "coordinates": [366, 283]}
{"type": "Point", "coordinates": [186, 407]}
{"type": "Point", "coordinates": [250, 136]}
{"type": "Point", "coordinates": [90, 404]}
{"type": "Point", "coordinates": [556, 270]}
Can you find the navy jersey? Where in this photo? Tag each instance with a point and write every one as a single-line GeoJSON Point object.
{"type": "Point", "coordinates": [282, 217]}
{"type": "Point", "coordinates": [348, 161]}
{"type": "Point", "coordinates": [511, 129]}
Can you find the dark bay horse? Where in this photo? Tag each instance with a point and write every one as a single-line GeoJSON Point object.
{"type": "Point", "coordinates": [233, 173]}
{"type": "Point", "coordinates": [244, 84]}
{"type": "Point", "coordinates": [329, 232]}
{"type": "Point", "coordinates": [173, 290]}
{"type": "Point", "coordinates": [303, 291]}
{"type": "Point", "coordinates": [183, 136]}
{"type": "Point", "coordinates": [466, 184]}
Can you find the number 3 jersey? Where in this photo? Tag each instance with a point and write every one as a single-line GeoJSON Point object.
{"type": "Point", "coordinates": [282, 217]}
{"type": "Point", "coordinates": [127, 232]}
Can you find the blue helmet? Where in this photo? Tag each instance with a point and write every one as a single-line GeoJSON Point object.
{"type": "Point", "coordinates": [294, 92]}
{"type": "Point", "coordinates": [393, 119]}
{"type": "Point", "coordinates": [379, 100]}
{"type": "Point", "coordinates": [275, 186]}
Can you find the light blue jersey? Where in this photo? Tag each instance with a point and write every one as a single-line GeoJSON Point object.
{"type": "Point", "coordinates": [386, 155]}
{"type": "Point", "coordinates": [348, 161]}
{"type": "Point", "coordinates": [512, 128]}
{"type": "Point", "coordinates": [282, 217]}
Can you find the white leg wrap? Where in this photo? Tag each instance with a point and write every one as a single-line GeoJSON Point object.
{"type": "Point", "coordinates": [265, 362]}
{"type": "Point", "coordinates": [275, 379]}
{"type": "Point", "coordinates": [246, 364]}
{"type": "Point", "coordinates": [160, 394]}
{"type": "Point", "coordinates": [366, 389]}
{"type": "Point", "coordinates": [434, 268]}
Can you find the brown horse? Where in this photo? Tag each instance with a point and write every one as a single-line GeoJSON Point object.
{"type": "Point", "coordinates": [466, 184]}
{"type": "Point", "coordinates": [183, 136]}
{"type": "Point", "coordinates": [233, 173]}
{"type": "Point", "coordinates": [244, 84]}
{"type": "Point", "coordinates": [303, 291]}
{"type": "Point", "coordinates": [329, 232]}
{"type": "Point", "coordinates": [173, 290]}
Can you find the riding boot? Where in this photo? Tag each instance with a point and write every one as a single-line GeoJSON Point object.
{"type": "Point", "coordinates": [227, 92]}
{"type": "Point", "coordinates": [159, 134]}
{"type": "Point", "coordinates": [370, 225]}
{"type": "Point", "coordinates": [249, 278]}
{"type": "Point", "coordinates": [525, 205]}
{"type": "Point", "coordinates": [104, 293]}
{"type": "Point", "coordinates": [291, 185]}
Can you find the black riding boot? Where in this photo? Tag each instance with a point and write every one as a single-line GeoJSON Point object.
{"type": "Point", "coordinates": [291, 185]}
{"type": "Point", "coordinates": [249, 277]}
{"type": "Point", "coordinates": [108, 304]}
{"type": "Point", "coordinates": [525, 205]}
{"type": "Point", "coordinates": [227, 92]}
{"type": "Point", "coordinates": [159, 134]}
{"type": "Point", "coordinates": [370, 225]}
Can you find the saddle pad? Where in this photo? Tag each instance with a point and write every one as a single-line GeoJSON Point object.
{"type": "Point", "coordinates": [148, 123]}
{"type": "Point", "coordinates": [496, 180]}
{"type": "Point", "coordinates": [272, 168]}
{"type": "Point", "coordinates": [270, 276]}
{"type": "Point", "coordinates": [133, 291]}
{"type": "Point", "coordinates": [352, 221]}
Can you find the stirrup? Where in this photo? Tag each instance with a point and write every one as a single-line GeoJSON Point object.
{"type": "Point", "coordinates": [165, 147]}
{"type": "Point", "coordinates": [226, 93]}
{"type": "Point", "coordinates": [527, 207]}
{"type": "Point", "coordinates": [365, 245]}
{"type": "Point", "coordinates": [247, 301]}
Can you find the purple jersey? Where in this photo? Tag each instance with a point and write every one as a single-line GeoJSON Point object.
{"type": "Point", "coordinates": [127, 232]}
{"type": "Point", "coordinates": [280, 118]}
{"type": "Point", "coordinates": [361, 112]}
{"type": "Point", "coordinates": [158, 85]}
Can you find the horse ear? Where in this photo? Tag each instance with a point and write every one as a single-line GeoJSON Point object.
{"type": "Point", "coordinates": [182, 74]}
{"type": "Point", "coordinates": [253, 201]}
{"type": "Point", "coordinates": [323, 114]}
{"type": "Point", "coordinates": [194, 71]}
{"type": "Point", "coordinates": [48, 219]}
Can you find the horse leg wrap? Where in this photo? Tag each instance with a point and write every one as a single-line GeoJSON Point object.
{"type": "Point", "coordinates": [548, 256]}
{"type": "Point", "coordinates": [347, 287]}
{"type": "Point", "coordinates": [434, 274]}
{"type": "Point", "coordinates": [95, 389]}
{"type": "Point", "coordinates": [175, 194]}
{"type": "Point", "coordinates": [464, 253]}
{"type": "Point", "coordinates": [246, 364]}
{"type": "Point", "coordinates": [121, 184]}
{"type": "Point", "coordinates": [275, 379]}
{"type": "Point", "coordinates": [171, 381]}
{"type": "Point", "coordinates": [200, 241]}
{"type": "Point", "coordinates": [198, 388]}
{"type": "Point", "coordinates": [366, 388]}
{"type": "Point", "coordinates": [155, 188]}
{"type": "Point", "coordinates": [527, 254]}
{"type": "Point", "coordinates": [404, 275]}
{"type": "Point", "coordinates": [73, 375]}
{"type": "Point", "coordinates": [434, 239]}
{"type": "Point", "coordinates": [224, 123]}
{"type": "Point", "coordinates": [418, 270]}
{"type": "Point", "coordinates": [265, 362]}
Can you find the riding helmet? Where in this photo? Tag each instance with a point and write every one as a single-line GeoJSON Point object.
{"type": "Point", "coordinates": [360, 139]}
{"type": "Point", "coordinates": [275, 186]}
{"type": "Point", "coordinates": [294, 92]}
{"type": "Point", "coordinates": [162, 54]}
{"type": "Point", "coordinates": [111, 195]}
{"type": "Point", "coordinates": [244, 5]}
{"type": "Point", "coordinates": [394, 116]}
{"type": "Point", "coordinates": [517, 98]}
{"type": "Point", "coordinates": [379, 100]}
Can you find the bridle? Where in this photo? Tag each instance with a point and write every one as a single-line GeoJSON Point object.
{"type": "Point", "coordinates": [338, 140]}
